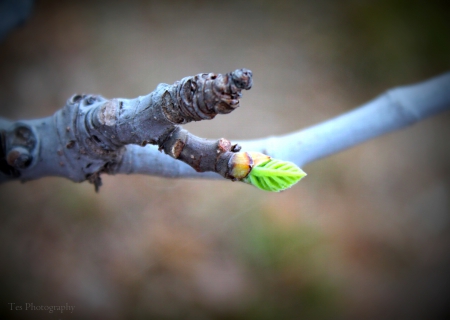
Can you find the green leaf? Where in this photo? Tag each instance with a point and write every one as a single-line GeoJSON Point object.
{"type": "Point", "coordinates": [275, 175]}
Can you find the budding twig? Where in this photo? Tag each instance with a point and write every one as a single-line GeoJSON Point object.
{"type": "Point", "coordinates": [88, 136]}
{"type": "Point", "coordinates": [92, 135]}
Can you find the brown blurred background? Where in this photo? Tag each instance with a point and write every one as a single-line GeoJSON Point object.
{"type": "Point", "coordinates": [364, 236]}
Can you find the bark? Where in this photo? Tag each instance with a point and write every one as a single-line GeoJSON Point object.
{"type": "Point", "coordinates": [395, 109]}
{"type": "Point", "coordinates": [92, 135]}
{"type": "Point", "coordinates": [89, 135]}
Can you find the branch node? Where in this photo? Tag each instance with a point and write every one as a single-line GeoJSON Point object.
{"type": "Point", "coordinates": [18, 149]}
{"type": "Point", "coordinates": [204, 96]}
{"type": "Point", "coordinates": [19, 158]}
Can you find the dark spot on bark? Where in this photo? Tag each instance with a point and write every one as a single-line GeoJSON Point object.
{"type": "Point", "coordinates": [75, 98]}
{"type": "Point", "coordinates": [88, 165]}
{"type": "Point", "coordinates": [90, 100]}
{"type": "Point", "coordinates": [96, 139]}
{"type": "Point", "coordinates": [23, 133]}
{"type": "Point", "coordinates": [235, 148]}
{"type": "Point", "coordinates": [28, 139]}
{"type": "Point", "coordinates": [196, 164]}
{"type": "Point", "coordinates": [70, 144]}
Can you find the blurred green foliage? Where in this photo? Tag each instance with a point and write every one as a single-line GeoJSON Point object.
{"type": "Point", "coordinates": [288, 264]}
{"type": "Point", "coordinates": [389, 41]}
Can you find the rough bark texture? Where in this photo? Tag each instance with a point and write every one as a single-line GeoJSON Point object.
{"type": "Point", "coordinates": [393, 110]}
{"type": "Point", "coordinates": [201, 154]}
{"type": "Point", "coordinates": [92, 135]}
{"type": "Point", "coordinates": [89, 134]}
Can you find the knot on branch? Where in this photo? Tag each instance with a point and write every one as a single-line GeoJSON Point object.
{"type": "Point", "coordinates": [18, 149]}
{"type": "Point", "coordinates": [205, 95]}
{"type": "Point", "coordinates": [84, 149]}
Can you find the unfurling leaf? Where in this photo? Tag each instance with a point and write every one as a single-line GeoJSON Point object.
{"type": "Point", "coordinates": [274, 175]}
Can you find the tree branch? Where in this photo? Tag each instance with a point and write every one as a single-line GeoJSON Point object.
{"type": "Point", "coordinates": [92, 135]}
{"type": "Point", "coordinates": [88, 136]}
{"type": "Point", "coordinates": [393, 110]}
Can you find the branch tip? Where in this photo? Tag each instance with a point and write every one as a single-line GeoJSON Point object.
{"type": "Point", "coordinates": [204, 96]}
{"type": "Point", "coordinates": [242, 78]}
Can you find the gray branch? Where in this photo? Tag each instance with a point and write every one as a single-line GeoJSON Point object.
{"type": "Point", "coordinates": [89, 135]}
{"type": "Point", "coordinates": [393, 110]}
{"type": "Point", "coordinates": [113, 141]}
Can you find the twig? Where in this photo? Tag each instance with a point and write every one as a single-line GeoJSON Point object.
{"type": "Point", "coordinates": [393, 110]}
{"type": "Point", "coordinates": [92, 135]}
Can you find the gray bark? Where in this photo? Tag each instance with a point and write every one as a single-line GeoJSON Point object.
{"type": "Point", "coordinates": [92, 135]}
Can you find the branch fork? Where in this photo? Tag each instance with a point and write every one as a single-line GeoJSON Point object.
{"type": "Point", "coordinates": [90, 134]}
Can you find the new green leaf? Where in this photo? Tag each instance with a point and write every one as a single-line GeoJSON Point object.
{"type": "Point", "coordinates": [275, 175]}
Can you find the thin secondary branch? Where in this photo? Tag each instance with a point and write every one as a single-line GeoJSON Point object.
{"type": "Point", "coordinates": [393, 110]}
{"type": "Point", "coordinates": [92, 135]}
{"type": "Point", "coordinates": [88, 135]}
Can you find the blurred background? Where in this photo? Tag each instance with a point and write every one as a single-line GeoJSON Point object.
{"type": "Point", "coordinates": [364, 236]}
